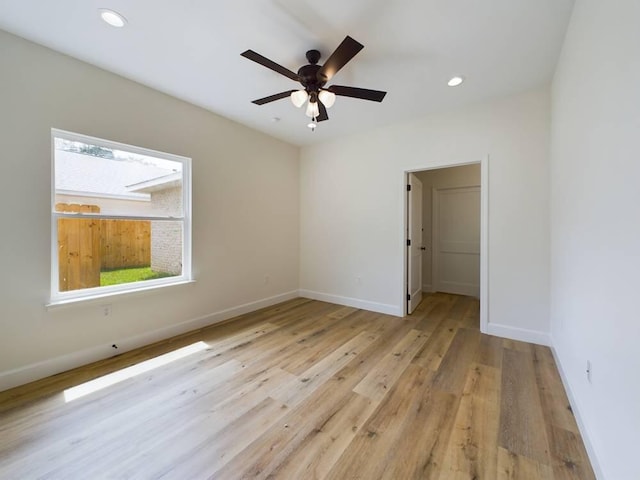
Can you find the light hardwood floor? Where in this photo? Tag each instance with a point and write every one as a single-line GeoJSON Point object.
{"type": "Point", "coordinates": [308, 390]}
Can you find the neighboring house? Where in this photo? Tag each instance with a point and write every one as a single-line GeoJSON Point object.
{"type": "Point", "coordinates": [165, 195]}
{"type": "Point", "coordinates": [131, 186]}
{"type": "Point", "coordinates": [105, 182]}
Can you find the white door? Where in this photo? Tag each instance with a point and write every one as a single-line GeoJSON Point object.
{"type": "Point", "coordinates": [456, 240]}
{"type": "Point", "coordinates": [414, 243]}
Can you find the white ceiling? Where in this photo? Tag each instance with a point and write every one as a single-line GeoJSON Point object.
{"type": "Point", "coordinates": [191, 49]}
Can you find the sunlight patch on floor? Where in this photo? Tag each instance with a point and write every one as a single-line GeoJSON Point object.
{"type": "Point", "coordinates": [132, 371]}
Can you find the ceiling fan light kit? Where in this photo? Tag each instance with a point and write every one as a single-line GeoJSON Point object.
{"type": "Point", "coordinates": [312, 110]}
{"type": "Point", "coordinates": [314, 77]}
{"type": "Point", "coordinates": [299, 97]}
{"type": "Point", "coordinates": [327, 98]}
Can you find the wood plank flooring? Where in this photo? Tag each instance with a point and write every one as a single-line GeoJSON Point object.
{"type": "Point", "coordinates": [308, 390]}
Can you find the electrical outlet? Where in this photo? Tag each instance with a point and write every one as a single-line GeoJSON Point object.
{"type": "Point", "coordinates": [267, 279]}
{"type": "Point", "coordinates": [106, 310]}
{"type": "Point", "coordinates": [358, 279]}
{"type": "Point", "coordinates": [588, 372]}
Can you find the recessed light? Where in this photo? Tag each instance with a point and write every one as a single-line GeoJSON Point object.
{"type": "Point", "coordinates": [112, 18]}
{"type": "Point", "coordinates": [455, 81]}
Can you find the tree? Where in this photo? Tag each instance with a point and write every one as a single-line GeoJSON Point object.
{"type": "Point", "coordinates": [96, 151]}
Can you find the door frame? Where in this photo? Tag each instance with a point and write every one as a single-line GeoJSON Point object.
{"type": "Point", "coordinates": [484, 230]}
{"type": "Point", "coordinates": [414, 243]}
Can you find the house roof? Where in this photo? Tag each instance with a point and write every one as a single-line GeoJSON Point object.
{"type": "Point", "coordinates": [82, 174]}
{"type": "Point", "coordinates": [155, 184]}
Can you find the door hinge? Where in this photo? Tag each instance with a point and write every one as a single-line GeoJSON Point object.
{"type": "Point", "coordinates": [408, 297]}
{"type": "Point", "coordinates": [408, 188]}
{"type": "Point", "coordinates": [408, 243]}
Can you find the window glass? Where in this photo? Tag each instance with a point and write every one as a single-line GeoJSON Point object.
{"type": "Point", "coordinates": [119, 216]}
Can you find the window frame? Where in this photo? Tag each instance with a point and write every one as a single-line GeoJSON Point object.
{"type": "Point", "coordinates": [58, 297]}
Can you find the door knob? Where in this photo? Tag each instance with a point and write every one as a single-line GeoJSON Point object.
{"type": "Point", "coordinates": [423, 248]}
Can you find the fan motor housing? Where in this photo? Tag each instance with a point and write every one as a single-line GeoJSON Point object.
{"type": "Point", "coordinates": [309, 77]}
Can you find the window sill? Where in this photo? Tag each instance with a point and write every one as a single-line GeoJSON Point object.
{"type": "Point", "coordinates": [101, 298]}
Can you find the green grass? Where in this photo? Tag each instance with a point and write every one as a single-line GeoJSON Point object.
{"type": "Point", "coordinates": [129, 275]}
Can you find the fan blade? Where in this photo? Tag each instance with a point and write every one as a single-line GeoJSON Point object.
{"type": "Point", "coordinates": [323, 112]}
{"type": "Point", "coordinates": [339, 58]}
{"type": "Point", "coordinates": [265, 62]}
{"type": "Point", "coordinates": [273, 98]}
{"type": "Point", "coordinates": [362, 93]}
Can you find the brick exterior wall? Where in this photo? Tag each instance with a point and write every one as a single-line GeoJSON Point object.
{"type": "Point", "coordinates": [166, 237]}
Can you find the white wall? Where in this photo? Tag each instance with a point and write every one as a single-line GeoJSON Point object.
{"type": "Point", "coordinates": [245, 211]}
{"type": "Point", "coordinates": [452, 177]}
{"type": "Point", "coordinates": [351, 207]}
{"type": "Point", "coordinates": [595, 228]}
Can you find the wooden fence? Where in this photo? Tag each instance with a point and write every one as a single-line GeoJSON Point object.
{"type": "Point", "coordinates": [125, 243]}
{"type": "Point", "coordinates": [87, 246]}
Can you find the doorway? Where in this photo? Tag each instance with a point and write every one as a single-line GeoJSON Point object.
{"type": "Point", "coordinates": [455, 239]}
{"type": "Point", "coordinates": [452, 243]}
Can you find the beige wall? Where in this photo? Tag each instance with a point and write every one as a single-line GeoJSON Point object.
{"type": "Point", "coordinates": [352, 237]}
{"type": "Point", "coordinates": [595, 232]}
{"type": "Point", "coordinates": [452, 177]}
{"type": "Point", "coordinates": [245, 211]}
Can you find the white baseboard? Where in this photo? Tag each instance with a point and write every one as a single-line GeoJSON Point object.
{"type": "Point", "coordinates": [353, 302]}
{"type": "Point", "coordinates": [427, 288]}
{"type": "Point", "coordinates": [522, 334]}
{"type": "Point", "coordinates": [575, 407]}
{"type": "Point", "coordinates": [53, 366]}
{"type": "Point", "coordinates": [468, 289]}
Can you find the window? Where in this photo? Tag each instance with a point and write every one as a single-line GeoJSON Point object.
{"type": "Point", "coordinates": [120, 217]}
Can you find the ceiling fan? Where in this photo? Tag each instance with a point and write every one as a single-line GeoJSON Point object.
{"type": "Point", "coordinates": [314, 77]}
